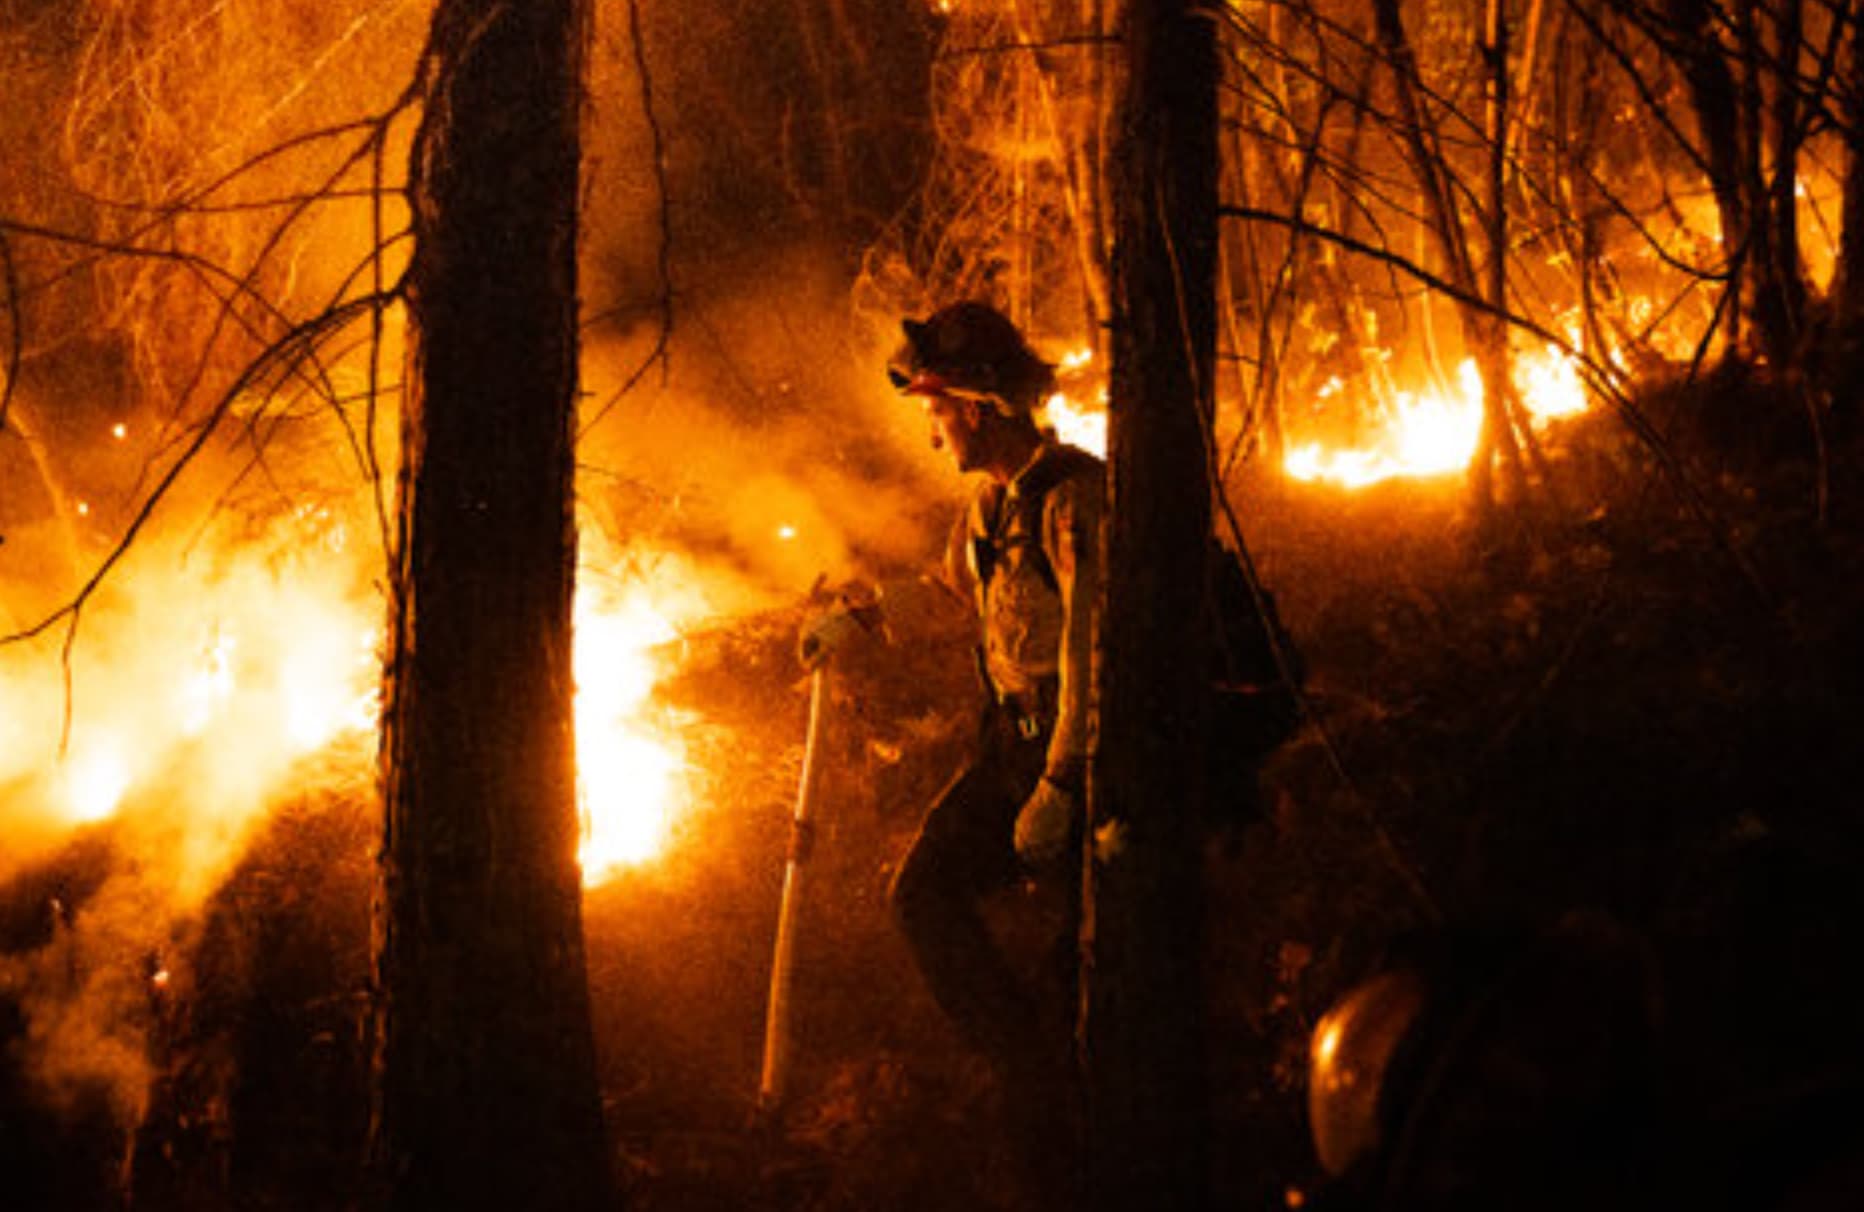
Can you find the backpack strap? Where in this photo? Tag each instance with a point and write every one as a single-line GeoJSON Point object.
{"type": "Point", "coordinates": [1030, 497]}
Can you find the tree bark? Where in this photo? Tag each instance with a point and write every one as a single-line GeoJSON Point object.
{"type": "Point", "coordinates": [1143, 1025]}
{"type": "Point", "coordinates": [487, 1092]}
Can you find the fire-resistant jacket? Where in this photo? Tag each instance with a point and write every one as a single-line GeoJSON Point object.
{"type": "Point", "coordinates": [1035, 579]}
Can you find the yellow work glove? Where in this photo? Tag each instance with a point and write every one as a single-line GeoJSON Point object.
{"type": "Point", "coordinates": [822, 636]}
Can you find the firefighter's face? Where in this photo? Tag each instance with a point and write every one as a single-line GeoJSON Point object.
{"type": "Point", "coordinates": [955, 424]}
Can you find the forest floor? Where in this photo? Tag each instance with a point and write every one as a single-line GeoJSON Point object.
{"type": "Point", "coordinates": [1632, 722]}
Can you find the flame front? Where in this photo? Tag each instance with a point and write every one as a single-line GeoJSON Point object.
{"type": "Point", "coordinates": [1437, 433]}
{"type": "Point", "coordinates": [630, 766]}
{"type": "Point", "coordinates": [201, 698]}
{"type": "Point", "coordinates": [1422, 434]}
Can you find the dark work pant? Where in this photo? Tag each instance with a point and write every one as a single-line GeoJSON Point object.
{"type": "Point", "coordinates": [965, 851]}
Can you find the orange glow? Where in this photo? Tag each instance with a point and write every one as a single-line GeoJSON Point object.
{"type": "Point", "coordinates": [1436, 434]}
{"type": "Point", "coordinates": [1550, 386]}
{"type": "Point", "coordinates": [630, 768]}
{"type": "Point", "coordinates": [198, 685]}
{"type": "Point", "coordinates": [1423, 435]}
{"type": "Point", "coordinates": [199, 696]}
{"type": "Point", "coordinates": [1075, 423]}
{"type": "Point", "coordinates": [635, 787]}
{"type": "Point", "coordinates": [1326, 1043]}
{"type": "Point", "coordinates": [94, 783]}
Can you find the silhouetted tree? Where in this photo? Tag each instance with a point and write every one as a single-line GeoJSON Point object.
{"type": "Point", "coordinates": [488, 1095]}
{"type": "Point", "coordinates": [1147, 1110]}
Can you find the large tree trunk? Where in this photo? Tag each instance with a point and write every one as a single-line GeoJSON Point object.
{"type": "Point", "coordinates": [1147, 1111]}
{"type": "Point", "coordinates": [487, 1095]}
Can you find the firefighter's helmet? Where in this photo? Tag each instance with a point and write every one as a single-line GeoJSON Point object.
{"type": "Point", "coordinates": [1512, 1070]}
{"type": "Point", "coordinates": [970, 349]}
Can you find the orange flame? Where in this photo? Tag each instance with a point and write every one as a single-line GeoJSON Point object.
{"type": "Point", "coordinates": [1074, 423]}
{"type": "Point", "coordinates": [1425, 434]}
{"type": "Point", "coordinates": [202, 693]}
{"type": "Point", "coordinates": [631, 764]}
{"type": "Point", "coordinates": [1435, 434]}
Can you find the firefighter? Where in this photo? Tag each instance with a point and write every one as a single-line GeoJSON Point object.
{"type": "Point", "coordinates": [1026, 554]}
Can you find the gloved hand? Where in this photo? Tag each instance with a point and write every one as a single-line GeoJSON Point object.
{"type": "Point", "coordinates": [1046, 824]}
{"type": "Point", "coordinates": [822, 636]}
{"type": "Point", "coordinates": [1110, 841]}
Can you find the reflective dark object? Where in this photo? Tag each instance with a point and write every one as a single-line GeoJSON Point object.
{"type": "Point", "coordinates": [1351, 1052]}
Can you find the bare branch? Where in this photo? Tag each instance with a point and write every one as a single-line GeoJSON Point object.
{"type": "Point", "coordinates": [1600, 376]}
{"type": "Point", "coordinates": [298, 343]}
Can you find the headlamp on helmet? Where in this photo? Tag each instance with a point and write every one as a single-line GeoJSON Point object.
{"type": "Point", "coordinates": [970, 351]}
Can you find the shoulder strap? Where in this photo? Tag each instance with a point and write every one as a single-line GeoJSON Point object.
{"type": "Point", "coordinates": [1058, 463]}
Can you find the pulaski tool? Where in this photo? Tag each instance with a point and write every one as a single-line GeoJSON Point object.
{"type": "Point", "coordinates": [851, 616]}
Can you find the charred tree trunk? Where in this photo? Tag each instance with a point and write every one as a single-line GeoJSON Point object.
{"type": "Point", "coordinates": [1147, 1116]}
{"type": "Point", "coordinates": [487, 1094]}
